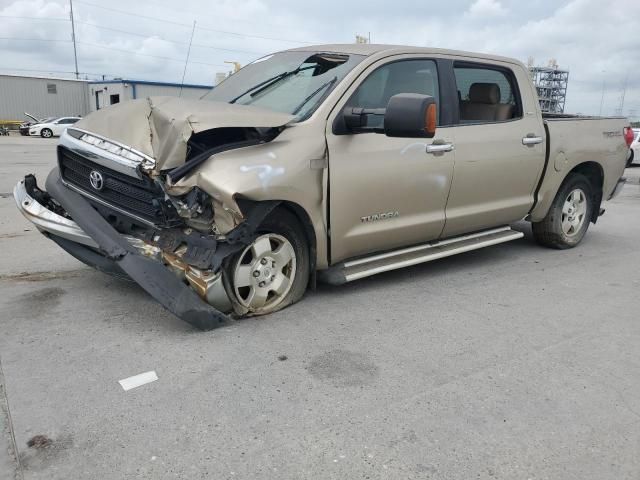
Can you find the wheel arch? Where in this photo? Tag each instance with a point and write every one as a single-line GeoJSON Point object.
{"type": "Point", "coordinates": [592, 170]}
{"type": "Point", "coordinates": [300, 214]}
{"type": "Point", "coordinates": [305, 221]}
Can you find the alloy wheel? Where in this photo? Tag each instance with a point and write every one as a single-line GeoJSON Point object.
{"type": "Point", "coordinates": [264, 273]}
{"type": "Point", "coordinates": [574, 211]}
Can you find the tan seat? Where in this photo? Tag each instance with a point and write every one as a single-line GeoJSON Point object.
{"type": "Point", "coordinates": [484, 104]}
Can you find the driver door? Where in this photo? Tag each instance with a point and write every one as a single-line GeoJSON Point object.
{"type": "Point", "coordinates": [386, 192]}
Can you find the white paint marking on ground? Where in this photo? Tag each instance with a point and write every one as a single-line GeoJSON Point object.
{"type": "Point", "coordinates": [138, 380]}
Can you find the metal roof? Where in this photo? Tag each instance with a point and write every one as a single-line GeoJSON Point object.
{"type": "Point", "coordinates": [157, 84]}
{"type": "Point", "coordinates": [57, 79]}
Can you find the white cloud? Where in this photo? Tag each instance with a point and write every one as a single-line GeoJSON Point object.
{"type": "Point", "coordinates": [486, 8]}
{"type": "Point", "coordinates": [584, 36]}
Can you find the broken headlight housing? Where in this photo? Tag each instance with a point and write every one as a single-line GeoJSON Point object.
{"type": "Point", "coordinates": [126, 153]}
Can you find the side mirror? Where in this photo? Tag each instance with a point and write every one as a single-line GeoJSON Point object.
{"type": "Point", "coordinates": [410, 115]}
{"type": "Point", "coordinates": [355, 118]}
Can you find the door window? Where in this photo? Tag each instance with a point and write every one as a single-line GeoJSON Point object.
{"type": "Point", "coordinates": [486, 94]}
{"type": "Point", "coordinates": [405, 76]}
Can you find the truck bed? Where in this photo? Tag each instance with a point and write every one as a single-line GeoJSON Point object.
{"type": "Point", "coordinates": [574, 140]}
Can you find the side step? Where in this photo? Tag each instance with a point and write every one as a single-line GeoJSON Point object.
{"type": "Point", "coordinates": [383, 262]}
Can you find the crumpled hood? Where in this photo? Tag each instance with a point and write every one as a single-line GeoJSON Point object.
{"type": "Point", "coordinates": [161, 126]}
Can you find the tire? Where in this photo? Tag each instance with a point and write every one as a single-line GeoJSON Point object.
{"type": "Point", "coordinates": [569, 216]}
{"type": "Point", "coordinates": [630, 159]}
{"type": "Point", "coordinates": [46, 133]}
{"type": "Point", "coordinates": [280, 252]}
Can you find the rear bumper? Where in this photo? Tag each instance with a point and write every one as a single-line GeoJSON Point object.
{"type": "Point", "coordinates": [95, 242]}
{"type": "Point", "coordinates": [618, 188]}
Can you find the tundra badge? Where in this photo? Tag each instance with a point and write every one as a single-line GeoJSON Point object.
{"type": "Point", "coordinates": [379, 216]}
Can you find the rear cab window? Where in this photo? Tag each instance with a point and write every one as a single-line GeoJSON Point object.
{"type": "Point", "coordinates": [486, 94]}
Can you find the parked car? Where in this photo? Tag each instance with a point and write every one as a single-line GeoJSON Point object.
{"type": "Point", "coordinates": [332, 162]}
{"type": "Point", "coordinates": [52, 127]}
{"type": "Point", "coordinates": [634, 150]}
{"type": "Point", "coordinates": [24, 127]}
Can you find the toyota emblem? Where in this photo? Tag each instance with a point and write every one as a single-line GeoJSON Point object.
{"type": "Point", "coordinates": [96, 180]}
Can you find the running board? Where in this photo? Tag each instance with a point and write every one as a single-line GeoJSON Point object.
{"type": "Point", "coordinates": [405, 257]}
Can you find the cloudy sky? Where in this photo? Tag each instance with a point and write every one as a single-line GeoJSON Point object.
{"type": "Point", "coordinates": [594, 39]}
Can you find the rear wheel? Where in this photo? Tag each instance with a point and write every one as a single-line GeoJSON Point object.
{"type": "Point", "coordinates": [273, 271]}
{"type": "Point", "coordinates": [568, 218]}
{"type": "Point", "coordinates": [46, 133]}
{"type": "Point", "coordinates": [630, 159]}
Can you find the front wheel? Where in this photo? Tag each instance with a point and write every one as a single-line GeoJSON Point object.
{"type": "Point", "coordinates": [46, 133]}
{"type": "Point", "coordinates": [273, 271]}
{"type": "Point", "coordinates": [568, 218]}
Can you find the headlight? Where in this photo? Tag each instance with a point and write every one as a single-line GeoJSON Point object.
{"type": "Point", "coordinates": [114, 148]}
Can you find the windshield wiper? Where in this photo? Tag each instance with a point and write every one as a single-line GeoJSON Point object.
{"type": "Point", "coordinates": [262, 86]}
{"type": "Point", "coordinates": [326, 85]}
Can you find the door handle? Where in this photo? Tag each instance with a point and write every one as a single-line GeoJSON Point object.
{"type": "Point", "coordinates": [531, 139]}
{"type": "Point", "coordinates": [440, 148]}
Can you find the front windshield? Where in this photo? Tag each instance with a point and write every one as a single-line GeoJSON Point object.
{"type": "Point", "coordinates": [289, 82]}
{"type": "Point", "coordinates": [49, 119]}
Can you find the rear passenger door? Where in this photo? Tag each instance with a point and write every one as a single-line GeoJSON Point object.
{"type": "Point", "coordinates": [495, 173]}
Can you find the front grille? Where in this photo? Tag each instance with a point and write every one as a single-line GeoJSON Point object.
{"type": "Point", "coordinates": [139, 197]}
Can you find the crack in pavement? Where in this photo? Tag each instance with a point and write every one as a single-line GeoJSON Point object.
{"type": "Point", "coordinates": [8, 431]}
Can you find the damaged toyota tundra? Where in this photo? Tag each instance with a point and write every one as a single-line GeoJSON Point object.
{"type": "Point", "coordinates": [327, 163]}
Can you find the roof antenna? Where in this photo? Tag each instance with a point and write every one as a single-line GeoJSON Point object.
{"type": "Point", "coordinates": [187, 60]}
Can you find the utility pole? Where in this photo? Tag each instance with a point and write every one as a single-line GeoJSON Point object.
{"type": "Point", "coordinates": [184, 72]}
{"type": "Point", "coordinates": [73, 37]}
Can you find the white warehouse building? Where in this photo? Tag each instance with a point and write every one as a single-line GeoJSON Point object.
{"type": "Point", "coordinates": [59, 97]}
{"type": "Point", "coordinates": [42, 97]}
{"type": "Point", "coordinates": [109, 92]}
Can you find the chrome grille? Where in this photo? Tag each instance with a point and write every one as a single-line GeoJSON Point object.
{"type": "Point", "coordinates": [139, 197]}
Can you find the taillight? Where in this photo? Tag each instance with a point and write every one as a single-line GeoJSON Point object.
{"type": "Point", "coordinates": [628, 135]}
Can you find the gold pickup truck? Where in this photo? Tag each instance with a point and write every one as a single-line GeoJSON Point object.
{"type": "Point", "coordinates": [328, 163]}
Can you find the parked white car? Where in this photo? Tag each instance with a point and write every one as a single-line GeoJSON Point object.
{"type": "Point", "coordinates": [52, 127]}
{"type": "Point", "coordinates": [634, 149]}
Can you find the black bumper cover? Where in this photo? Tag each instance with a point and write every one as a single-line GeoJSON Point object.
{"type": "Point", "coordinates": [151, 275]}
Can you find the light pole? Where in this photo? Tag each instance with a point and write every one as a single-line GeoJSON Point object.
{"type": "Point", "coordinates": [73, 37]}
{"type": "Point", "coordinates": [602, 97]}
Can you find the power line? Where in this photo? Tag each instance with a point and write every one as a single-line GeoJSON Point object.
{"type": "Point", "coordinates": [147, 54]}
{"type": "Point", "coordinates": [111, 48]}
{"type": "Point", "coordinates": [112, 75]}
{"type": "Point", "coordinates": [133, 14]}
{"type": "Point", "coordinates": [211, 29]}
{"type": "Point", "coordinates": [35, 18]}
{"type": "Point", "coordinates": [137, 34]}
{"type": "Point", "coordinates": [35, 39]}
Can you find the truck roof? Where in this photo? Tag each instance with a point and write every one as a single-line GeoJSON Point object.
{"type": "Point", "coordinates": [369, 49]}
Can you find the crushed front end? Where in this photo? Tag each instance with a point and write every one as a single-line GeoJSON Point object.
{"type": "Point", "coordinates": [106, 205]}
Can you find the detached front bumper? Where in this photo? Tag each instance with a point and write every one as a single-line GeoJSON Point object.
{"type": "Point", "coordinates": [95, 242]}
